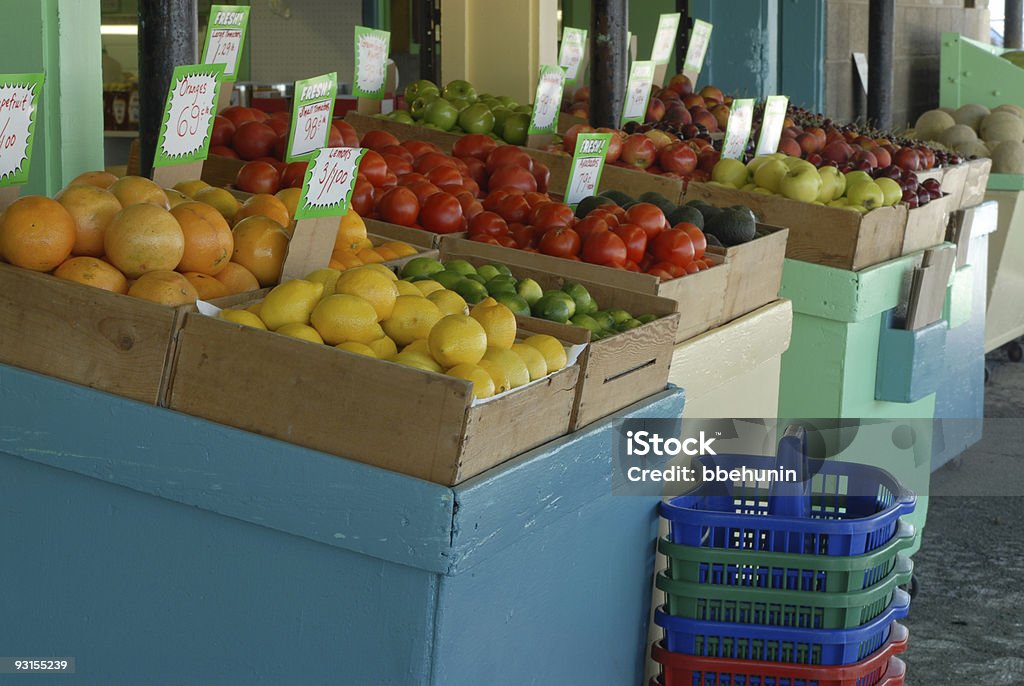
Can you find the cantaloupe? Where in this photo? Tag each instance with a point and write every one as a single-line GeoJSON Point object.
{"type": "Point", "coordinates": [956, 135]}
{"type": "Point", "coordinates": [971, 115]}
{"type": "Point", "coordinates": [930, 124]}
{"type": "Point", "coordinates": [974, 148]}
{"type": "Point", "coordinates": [1011, 108]}
{"type": "Point", "coordinates": [1008, 158]}
{"type": "Point", "coordinates": [1002, 126]}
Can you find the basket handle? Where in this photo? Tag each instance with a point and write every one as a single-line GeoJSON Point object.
{"type": "Point", "coordinates": [904, 570]}
{"type": "Point", "coordinates": [788, 499]}
{"type": "Point", "coordinates": [906, 534]}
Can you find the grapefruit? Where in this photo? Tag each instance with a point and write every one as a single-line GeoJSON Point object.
{"type": "Point", "coordinates": [266, 205]}
{"type": "Point", "coordinates": [260, 246]}
{"type": "Point", "coordinates": [208, 239]}
{"type": "Point", "coordinates": [92, 208]}
{"type": "Point", "coordinates": [144, 238]}
{"type": "Point", "coordinates": [164, 287]}
{"type": "Point", "coordinates": [135, 190]}
{"type": "Point", "coordinates": [36, 233]}
{"type": "Point", "coordinates": [237, 279]}
{"type": "Point", "coordinates": [91, 271]}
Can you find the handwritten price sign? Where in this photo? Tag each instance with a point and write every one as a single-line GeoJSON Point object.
{"type": "Point", "coordinates": [372, 48]}
{"type": "Point", "coordinates": [547, 100]}
{"type": "Point", "coordinates": [188, 115]}
{"type": "Point", "coordinates": [312, 110]}
{"type": "Point", "coordinates": [327, 188]}
{"type": "Point", "coordinates": [772, 124]}
{"type": "Point", "coordinates": [225, 37]}
{"type": "Point", "coordinates": [574, 42]}
{"type": "Point", "coordinates": [737, 129]}
{"type": "Point", "coordinates": [587, 165]}
{"type": "Point", "coordinates": [19, 100]}
{"type": "Point", "coordinates": [700, 38]}
{"type": "Point", "coordinates": [638, 92]}
{"type": "Point", "coordinates": [665, 38]}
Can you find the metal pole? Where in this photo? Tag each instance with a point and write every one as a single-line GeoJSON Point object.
{"type": "Point", "coordinates": [685, 24]}
{"type": "Point", "coordinates": [427, 19]}
{"type": "Point", "coordinates": [881, 34]}
{"type": "Point", "coordinates": [609, 61]}
{"type": "Point", "coordinates": [167, 39]}
{"type": "Point", "coordinates": [1014, 20]}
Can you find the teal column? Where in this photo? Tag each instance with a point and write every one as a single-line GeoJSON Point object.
{"type": "Point", "coordinates": [62, 39]}
{"type": "Point", "coordinates": [743, 58]}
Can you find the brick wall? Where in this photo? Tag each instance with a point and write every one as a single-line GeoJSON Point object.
{"type": "Point", "coordinates": [919, 25]}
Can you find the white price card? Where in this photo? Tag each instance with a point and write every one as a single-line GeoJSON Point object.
{"type": "Point", "coordinates": [547, 100]}
{"type": "Point", "coordinates": [771, 124]}
{"type": "Point", "coordinates": [188, 115]}
{"type": "Point", "coordinates": [312, 112]}
{"type": "Point", "coordinates": [737, 130]}
{"type": "Point", "coordinates": [19, 101]}
{"type": "Point", "coordinates": [574, 47]}
{"type": "Point", "coordinates": [638, 92]}
{"type": "Point", "coordinates": [665, 38]}
{"type": "Point", "coordinates": [700, 38]}
{"type": "Point", "coordinates": [587, 165]}
{"type": "Point", "coordinates": [225, 37]}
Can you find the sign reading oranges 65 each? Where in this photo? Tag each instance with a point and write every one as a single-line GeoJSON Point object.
{"type": "Point", "coordinates": [188, 114]}
{"type": "Point", "coordinates": [329, 181]}
{"type": "Point", "coordinates": [225, 37]}
{"type": "Point", "coordinates": [19, 101]}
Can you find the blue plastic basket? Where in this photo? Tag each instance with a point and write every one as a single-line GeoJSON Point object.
{"type": "Point", "coordinates": [776, 644]}
{"type": "Point", "coordinates": [841, 509]}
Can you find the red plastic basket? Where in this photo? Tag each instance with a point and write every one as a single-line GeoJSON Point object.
{"type": "Point", "coordinates": [880, 669]}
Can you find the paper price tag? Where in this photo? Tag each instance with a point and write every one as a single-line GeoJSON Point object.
{"type": "Point", "coordinates": [312, 111]}
{"type": "Point", "coordinates": [737, 129]}
{"type": "Point", "coordinates": [587, 165]}
{"type": "Point", "coordinates": [771, 124]}
{"type": "Point", "coordinates": [225, 37]}
{"type": "Point", "coordinates": [665, 38]}
{"type": "Point", "coordinates": [19, 101]}
{"type": "Point", "coordinates": [700, 38]}
{"type": "Point", "coordinates": [574, 47]}
{"type": "Point", "coordinates": [547, 100]}
{"type": "Point", "coordinates": [188, 115]}
{"type": "Point", "coordinates": [371, 46]}
{"type": "Point", "coordinates": [327, 188]}
{"type": "Point", "coordinates": [638, 92]}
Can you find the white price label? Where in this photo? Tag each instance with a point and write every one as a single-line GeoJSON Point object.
{"type": "Point", "coordinates": [189, 115]}
{"type": "Point", "coordinates": [700, 38]}
{"type": "Point", "coordinates": [573, 49]}
{"type": "Point", "coordinates": [547, 100]}
{"type": "Point", "coordinates": [772, 123]}
{"type": "Point", "coordinates": [638, 92]}
{"type": "Point", "coordinates": [311, 127]}
{"type": "Point", "coordinates": [665, 38]}
{"type": "Point", "coordinates": [737, 130]}
{"type": "Point", "coordinates": [329, 181]}
{"type": "Point", "coordinates": [223, 48]}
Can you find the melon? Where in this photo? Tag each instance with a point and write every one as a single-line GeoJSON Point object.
{"type": "Point", "coordinates": [1008, 158]}
{"type": "Point", "coordinates": [1011, 108]}
{"type": "Point", "coordinates": [947, 110]}
{"type": "Point", "coordinates": [971, 115]}
{"type": "Point", "coordinates": [1002, 126]}
{"type": "Point", "coordinates": [956, 135]}
{"type": "Point", "coordinates": [974, 148]}
{"type": "Point", "coordinates": [930, 124]}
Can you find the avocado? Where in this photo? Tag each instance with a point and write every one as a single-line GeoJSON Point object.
{"type": "Point", "coordinates": [712, 239]}
{"type": "Point", "coordinates": [618, 197]}
{"type": "Point", "coordinates": [685, 213]}
{"type": "Point", "coordinates": [658, 200]}
{"type": "Point", "coordinates": [732, 226]}
{"type": "Point", "coordinates": [588, 205]}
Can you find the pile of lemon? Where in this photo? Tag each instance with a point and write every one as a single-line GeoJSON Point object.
{"type": "Point", "coordinates": [368, 311]}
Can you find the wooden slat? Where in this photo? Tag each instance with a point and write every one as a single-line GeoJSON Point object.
{"type": "Point", "coordinates": [755, 271]}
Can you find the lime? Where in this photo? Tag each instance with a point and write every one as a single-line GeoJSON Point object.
{"type": "Point", "coordinates": [447, 278]}
{"type": "Point", "coordinates": [581, 296]}
{"type": "Point", "coordinates": [629, 324]}
{"type": "Point", "coordinates": [488, 272]}
{"type": "Point", "coordinates": [646, 318]}
{"type": "Point", "coordinates": [460, 267]}
{"type": "Point", "coordinates": [603, 319]}
{"type": "Point", "coordinates": [518, 305]}
{"type": "Point", "coordinates": [554, 307]}
{"type": "Point", "coordinates": [619, 316]}
{"type": "Point", "coordinates": [587, 322]}
{"type": "Point", "coordinates": [529, 290]}
{"type": "Point", "coordinates": [472, 291]}
{"type": "Point", "coordinates": [476, 277]}
{"type": "Point", "coordinates": [501, 284]}
{"type": "Point", "coordinates": [421, 266]}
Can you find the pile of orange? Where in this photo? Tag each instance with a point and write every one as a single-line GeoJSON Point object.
{"type": "Point", "coordinates": [353, 248]}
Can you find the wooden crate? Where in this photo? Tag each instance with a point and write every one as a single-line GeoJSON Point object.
{"type": "Point", "coordinates": [822, 235]}
{"type": "Point", "coordinates": [85, 335]}
{"type": "Point", "coordinates": [953, 182]}
{"type": "Point", "coordinates": [755, 271]}
{"type": "Point", "coordinates": [381, 413]}
{"type": "Point", "coordinates": [221, 171]}
{"type": "Point", "coordinates": [616, 371]}
{"type": "Point", "coordinates": [978, 173]}
{"type": "Point", "coordinates": [420, 238]}
{"type": "Point", "coordinates": [926, 225]}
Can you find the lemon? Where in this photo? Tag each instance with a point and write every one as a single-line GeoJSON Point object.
{"type": "Point", "coordinates": [342, 317]}
{"type": "Point", "coordinates": [399, 248]}
{"type": "Point", "coordinates": [551, 348]}
{"type": "Point", "coordinates": [516, 370]}
{"type": "Point", "coordinates": [303, 332]}
{"type": "Point", "coordinates": [483, 385]}
{"type": "Point", "coordinates": [220, 200]}
{"type": "Point", "coordinates": [498, 375]}
{"type": "Point", "coordinates": [420, 346]}
{"type": "Point", "coordinates": [449, 302]}
{"type": "Point", "coordinates": [427, 286]}
{"type": "Point", "coordinates": [255, 308]}
{"type": "Point", "coordinates": [457, 339]}
{"type": "Point", "coordinates": [190, 188]}
{"type": "Point", "coordinates": [406, 288]}
{"type": "Point", "coordinates": [376, 267]}
{"type": "Point", "coordinates": [417, 360]}
{"type": "Point", "coordinates": [290, 303]}
{"type": "Point", "coordinates": [327, 276]}
{"type": "Point", "coordinates": [534, 361]}
{"type": "Point", "coordinates": [372, 286]}
{"type": "Point", "coordinates": [383, 348]}
{"type": "Point", "coordinates": [413, 317]}
{"type": "Point", "coordinates": [243, 317]}
{"type": "Point", "coordinates": [290, 198]}
{"type": "Point", "coordinates": [357, 348]}
{"type": "Point", "coordinates": [498, 321]}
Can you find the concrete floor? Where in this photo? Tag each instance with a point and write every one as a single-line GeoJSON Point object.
{"type": "Point", "coordinates": [967, 621]}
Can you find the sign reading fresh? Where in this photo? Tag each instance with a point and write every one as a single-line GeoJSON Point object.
{"type": "Point", "coordinates": [587, 165]}
{"type": "Point", "coordinates": [188, 115]}
{"type": "Point", "coordinates": [547, 100]}
{"type": "Point", "coordinates": [225, 37]}
{"type": "Point", "coordinates": [772, 124]}
{"type": "Point", "coordinates": [330, 179]}
{"type": "Point", "coordinates": [312, 111]}
{"type": "Point", "coordinates": [19, 101]}
{"type": "Point", "coordinates": [737, 129]}
{"type": "Point", "coordinates": [574, 48]}
{"type": "Point", "coordinates": [700, 38]}
{"type": "Point", "coordinates": [638, 92]}
{"type": "Point", "coordinates": [372, 46]}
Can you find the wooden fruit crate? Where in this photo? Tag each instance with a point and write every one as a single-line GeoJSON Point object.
{"type": "Point", "coordinates": [926, 225]}
{"type": "Point", "coordinates": [221, 171]}
{"type": "Point", "coordinates": [616, 371]}
{"type": "Point", "coordinates": [420, 238]}
{"type": "Point", "coordinates": [978, 174]}
{"type": "Point", "coordinates": [755, 271]}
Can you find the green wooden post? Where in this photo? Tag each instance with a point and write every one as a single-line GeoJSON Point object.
{"type": "Point", "coordinates": [62, 39]}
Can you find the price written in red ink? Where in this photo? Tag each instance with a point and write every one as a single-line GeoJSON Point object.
{"type": "Point", "coordinates": [193, 115]}
{"type": "Point", "coordinates": [332, 177]}
{"type": "Point", "coordinates": [314, 122]}
{"type": "Point", "coordinates": [15, 104]}
{"type": "Point", "coordinates": [223, 45]}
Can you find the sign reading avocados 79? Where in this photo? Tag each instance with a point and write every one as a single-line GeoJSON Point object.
{"type": "Point", "coordinates": [312, 111]}
{"type": "Point", "coordinates": [329, 181]}
{"type": "Point", "coordinates": [587, 165]}
{"type": "Point", "coordinates": [371, 47]}
{"type": "Point", "coordinates": [225, 37]}
{"type": "Point", "coordinates": [19, 101]}
{"type": "Point", "coordinates": [188, 115]}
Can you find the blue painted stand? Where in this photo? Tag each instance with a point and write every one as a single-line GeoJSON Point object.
{"type": "Point", "coordinates": [909, 362]}
{"type": "Point", "coordinates": [157, 548]}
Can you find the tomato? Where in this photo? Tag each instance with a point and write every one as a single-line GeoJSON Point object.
{"type": "Point", "coordinates": [512, 176]}
{"type": "Point", "coordinates": [397, 151]}
{"type": "Point", "coordinates": [410, 179]}
{"type": "Point", "coordinates": [346, 135]}
{"type": "Point", "coordinates": [280, 127]}
{"type": "Point", "coordinates": [537, 198]}
{"type": "Point", "coordinates": [560, 242]}
{"type": "Point", "coordinates": [362, 196]}
{"type": "Point", "coordinates": [471, 207]}
{"type": "Point", "coordinates": [281, 146]}
{"type": "Point", "coordinates": [444, 175]}
{"type": "Point", "coordinates": [424, 163]}
{"type": "Point", "coordinates": [543, 175]}
{"type": "Point", "coordinates": [635, 239]}
{"type": "Point", "coordinates": [258, 177]}
{"type": "Point", "coordinates": [475, 145]}
{"type": "Point", "coordinates": [471, 186]}
{"type": "Point", "coordinates": [488, 223]}
{"type": "Point", "coordinates": [648, 217]}
{"type": "Point", "coordinates": [275, 163]}
{"type": "Point", "coordinates": [632, 266]}
{"type": "Point", "coordinates": [223, 151]}
{"type": "Point", "coordinates": [700, 243]}
{"type": "Point", "coordinates": [507, 241]}
{"type": "Point", "coordinates": [660, 273]}
{"type": "Point", "coordinates": [423, 190]}
{"type": "Point", "coordinates": [399, 166]}
{"type": "Point", "coordinates": [526, 236]}
{"type": "Point", "coordinates": [692, 268]}
{"type": "Point", "coordinates": [419, 148]}
{"type": "Point", "coordinates": [441, 213]}
{"type": "Point", "coordinates": [493, 200]}
{"type": "Point", "coordinates": [223, 130]}
{"type": "Point", "coordinates": [378, 140]}
{"type": "Point", "coordinates": [589, 226]}
{"type": "Point", "coordinates": [673, 246]}
{"type": "Point", "coordinates": [475, 169]}
{"type": "Point", "coordinates": [548, 215]}
{"type": "Point", "coordinates": [509, 154]}
{"type": "Point", "coordinates": [238, 115]}
{"type": "Point", "coordinates": [514, 208]}
{"type": "Point", "coordinates": [399, 206]}
{"type": "Point", "coordinates": [373, 167]}
{"type": "Point", "coordinates": [253, 140]}
{"type": "Point", "coordinates": [484, 238]}
{"type": "Point", "coordinates": [606, 248]}
{"type": "Point", "coordinates": [674, 269]}
{"type": "Point", "coordinates": [390, 181]}
{"type": "Point", "coordinates": [460, 165]}
{"type": "Point", "coordinates": [293, 175]}
{"type": "Point", "coordinates": [605, 214]}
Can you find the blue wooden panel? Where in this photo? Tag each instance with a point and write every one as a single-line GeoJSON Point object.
{"type": "Point", "coordinates": [802, 52]}
{"type": "Point", "coordinates": [910, 363]}
{"type": "Point", "coordinates": [743, 58]}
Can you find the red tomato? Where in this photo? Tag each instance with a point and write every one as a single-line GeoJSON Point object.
{"type": "Point", "coordinates": [253, 140]}
{"type": "Point", "coordinates": [537, 198]}
{"type": "Point", "coordinates": [424, 163]}
{"type": "Point", "coordinates": [460, 165]}
{"type": "Point", "coordinates": [526, 236]}
{"type": "Point", "coordinates": [590, 226]}
{"type": "Point", "coordinates": [423, 190]}
{"type": "Point", "coordinates": [378, 140]}
{"type": "Point", "coordinates": [373, 167]}
{"type": "Point", "coordinates": [548, 215]}
{"type": "Point", "coordinates": [607, 215]}
{"type": "Point", "coordinates": [635, 239]}
{"type": "Point", "coordinates": [223, 151]}
{"type": "Point", "coordinates": [674, 269]}
{"type": "Point", "coordinates": [471, 186]}
{"type": "Point", "coordinates": [560, 242]}
{"type": "Point", "coordinates": [223, 130]}
{"type": "Point", "coordinates": [442, 213]}
{"type": "Point", "coordinates": [631, 265]}
{"type": "Point", "coordinates": [700, 242]}
{"type": "Point", "coordinates": [484, 238]}
{"type": "Point", "coordinates": [512, 176]}
{"type": "Point", "coordinates": [673, 246]}
{"type": "Point", "coordinates": [410, 179]}
{"type": "Point", "coordinates": [399, 206]}
{"type": "Point", "coordinates": [475, 169]}
{"type": "Point", "coordinates": [238, 115]}
{"type": "Point", "coordinates": [280, 127]}
{"type": "Point", "coordinates": [398, 151]}
{"type": "Point", "coordinates": [507, 241]}
{"type": "Point", "coordinates": [508, 154]}
{"type": "Point", "coordinates": [390, 181]}
{"type": "Point", "coordinates": [606, 248]}
{"type": "Point", "coordinates": [471, 207]}
{"type": "Point", "coordinates": [692, 268]}
{"type": "Point", "coordinates": [343, 135]}
{"type": "Point", "coordinates": [660, 273]}
{"type": "Point", "coordinates": [543, 175]}
{"type": "Point", "coordinates": [493, 200]}
{"type": "Point", "coordinates": [258, 177]}
{"type": "Point", "coordinates": [474, 145]}
{"type": "Point", "coordinates": [419, 148]}
{"type": "Point", "coordinates": [399, 166]}
{"type": "Point", "coordinates": [648, 217]}
{"type": "Point", "coordinates": [488, 223]}
{"type": "Point", "coordinates": [514, 208]}
{"type": "Point", "coordinates": [275, 163]}
{"type": "Point", "coordinates": [444, 175]}
{"type": "Point", "coordinates": [362, 196]}
{"type": "Point", "coordinates": [281, 146]}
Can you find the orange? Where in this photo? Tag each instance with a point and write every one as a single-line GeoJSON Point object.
{"type": "Point", "coordinates": [100, 179]}
{"type": "Point", "coordinates": [351, 232]}
{"type": "Point", "coordinates": [92, 208]}
{"type": "Point", "coordinates": [260, 247]}
{"type": "Point", "coordinates": [208, 239]}
{"type": "Point", "coordinates": [36, 233]}
{"type": "Point", "coordinates": [399, 248]}
{"type": "Point", "coordinates": [92, 271]}
{"type": "Point", "coordinates": [221, 200]}
{"type": "Point", "coordinates": [144, 238]}
{"type": "Point", "coordinates": [135, 190]}
{"type": "Point", "coordinates": [237, 279]}
{"type": "Point", "coordinates": [290, 198]}
{"type": "Point", "coordinates": [208, 287]}
{"type": "Point", "coordinates": [266, 205]}
{"type": "Point", "coordinates": [386, 253]}
{"type": "Point", "coordinates": [164, 287]}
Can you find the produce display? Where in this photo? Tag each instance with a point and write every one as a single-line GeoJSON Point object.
{"type": "Point", "coordinates": [248, 133]}
{"type": "Point", "coordinates": [975, 131]}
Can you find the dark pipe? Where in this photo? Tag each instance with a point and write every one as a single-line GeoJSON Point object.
{"type": "Point", "coordinates": [427, 19]}
{"type": "Point", "coordinates": [1014, 20]}
{"type": "Point", "coordinates": [609, 61]}
{"type": "Point", "coordinates": [881, 45]}
{"type": "Point", "coordinates": [167, 39]}
{"type": "Point", "coordinates": [685, 24]}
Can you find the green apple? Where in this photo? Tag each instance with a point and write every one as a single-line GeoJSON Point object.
{"type": "Point", "coordinates": [828, 187]}
{"type": "Point", "coordinates": [855, 177]}
{"type": "Point", "coordinates": [460, 103]}
{"type": "Point", "coordinates": [476, 119]}
{"type": "Point", "coordinates": [834, 180]}
{"type": "Point", "coordinates": [516, 127]}
{"type": "Point", "coordinates": [417, 89]}
{"type": "Point", "coordinates": [865, 194]}
{"type": "Point", "coordinates": [525, 109]}
{"type": "Point", "coordinates": [417, 106]}
{"type": "Point", "coordinates": [891, 191]}
{"type": "Point", "coordinates": [459, 89]}
{"type": "Point", "coordinates": [508, 102]}
{"type": "Point", "coordinates": [500, 115]}
{"type": "Point", "coordinates": [749, 188]}
{"type": "Point", "coordinates": [401, 116]}
{"type": "Point", "coordinates": [441, 114]}
{"type": "Point", "coordinates": [770, 174]}
{"type": "Point", "coordinates": [764, 191]}
{"type": "Point", "coordinates": [802, 185]}
{"type": "Point", "coordinates": [754, 164]}
{"type": "Point", "coordinates": [730, 172]}
{"type": "Point", "coordinates": [838, 202]}
{"type": "Point", "coordinates": [492, 103]}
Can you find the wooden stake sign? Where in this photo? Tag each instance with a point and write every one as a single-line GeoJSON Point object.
{"type": "Point", "coordinates": [664, 44]}
{"type": "Point", "coordinates": [700, 38]}
{"type": "Point", "coordinates": [184, 140]}
{"type": "Point", "coordinates": [312, 111]}
{"type": "Point", "coordinates": [546, 104]}
{"type": "Point", "coordinates": [572, 57]}
{"type": "Point", "coordinates": [587, 165]}
{"type": "Point", "coordinates": [638, 92]}
{"type": "Point", "coordinates": [371, 71]}
{"type": "Point", "coordinates": [225, 38]}
{"type": "Point", "coordinates": [19, 102]}
{"type": "Point", "coordinates": [771, 124]}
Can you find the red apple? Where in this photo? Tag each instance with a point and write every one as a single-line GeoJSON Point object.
{"type": "Point", "coordinates": [681, 84]}
{"type": "Point", "coordinates": [707, 159]}
{"type": "Point", "coordinates": [639, 151]}
{"type": "Point", "coordinates": [572, 133]}
{"type": "Point", "coordinates": [692, 100]}
{"type": "Point", "coordinates": [677, 114]}
{"type": "Point", "coordinates": [907, 159]}
{"type": "Point", "coordinates": [678, 158]}
{"type": "Point", "coordinates": [614, 145]}
{"type": "Point", "coordinates": [704, 118]}
{"type": "Point", "coordinates": [837, 152]}
{"type": "Point", "coordinates": [882, 155]}
{"type": "Point", "coordinates": [865, 156]}
{"type": "Point", "coordinates": [655, 110]}
{"type": "Point", "coordinates": [721, 114]}
{"type": "Point", "coordinates": [808, 143]}
{"type": "Point", "coordinates": [712, 93]}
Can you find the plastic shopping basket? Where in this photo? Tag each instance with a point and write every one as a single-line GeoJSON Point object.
{"type": "Point", "coordinates": [843, 509]}
{"type": "Point", "coordinates": [780, 644]}
{"type": "Point", "coordinates": [785, 571]}
{"type": "Point", "coordinates": [882, 668]}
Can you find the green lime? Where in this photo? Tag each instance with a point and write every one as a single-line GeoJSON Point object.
{"type": "Point", "coordinates": [581, 296]}
{"type": "Point", "coordinates": [646, 318]}
{"type": "Point", "coordinates": [604, 319]}
{"type": "Point", "coordinates": [471, 291]}
{"type": "Point", "coordinates": [530, 290]}
{"type": "Point", "coordinates": [476, 277]}
{"type": "Point", "coordinates": [553, 307]}
{"type": "Point", "coordinates": [421, 266]}
{"type": "Point", "coordinates": [488, 272]}
{"type": "Point", "coordinates": [619, 316]}
{"type": "Point", "coordinates": [628, 324]}
{"type": "Point", "coordinates": [503, 280]}
{"type": "Point", "coordinates": [447, 278]}
{"type": "Point", "coordinates": [503, 269]}
{"type": "Point", "coordinates": [587, 322]}
{"type": "Point", "coordinates": [461, 267]}
{"type": "Point", "coordinates": [515, 303]}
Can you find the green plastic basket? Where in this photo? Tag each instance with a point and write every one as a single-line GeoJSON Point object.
{"type": "Point", "coordinates": [779, 608]}
{"type": "Point", "coordinates": [785, 571]}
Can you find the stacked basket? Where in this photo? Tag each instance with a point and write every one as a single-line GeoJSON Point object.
{"type": "Point", "coordinates": [796, 584]}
